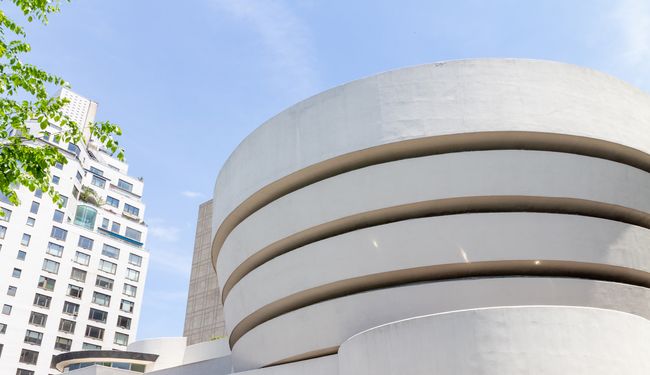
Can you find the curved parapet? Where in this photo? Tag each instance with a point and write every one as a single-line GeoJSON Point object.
{"type": "Point", "coordinates": [122, 359]}
{"type": "Point", "coordinates": [431, 189]}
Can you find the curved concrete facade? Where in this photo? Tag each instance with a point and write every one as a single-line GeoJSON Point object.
{"type": "Point", "coordinates": [458, 185]}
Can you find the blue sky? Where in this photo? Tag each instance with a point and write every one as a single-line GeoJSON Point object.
{"type": "Point", "coordinates": [188, 80]}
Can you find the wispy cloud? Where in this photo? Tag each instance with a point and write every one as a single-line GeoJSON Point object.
{"type": "Point", "coordinates": [164, 231]}
{"type": "Point", "coordinates": [177, 261]}
{"type": "Point", "coordinates": [192, 194]}
{"type": "Point", "coordinates": [286, 38]}
{"type": "Point", "coordinates": [632, 20]}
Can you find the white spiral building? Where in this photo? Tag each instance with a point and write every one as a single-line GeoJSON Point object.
{"type": "Point", "coordinates": [481, 216]}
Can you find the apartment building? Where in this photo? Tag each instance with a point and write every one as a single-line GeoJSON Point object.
{"type": "Point", "coordinates": [72, 276]}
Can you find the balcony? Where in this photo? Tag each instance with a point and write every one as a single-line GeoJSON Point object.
{"type": "Point", "coordinates": [128, 240]}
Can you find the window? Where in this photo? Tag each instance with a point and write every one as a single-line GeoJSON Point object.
{"type": "Point", "coordinates": [11, 290]}
{"type": "Point", "coordinates": [37, 319]}
{"type": "Point", "coordinates": [67, 326]}
{"type": "Point", "coordinates": [58, 216]}
{"type": "Point", "coordinates": [31, 221]}
{"type": "Point", "coordinates": [136, 260]}
{"type": "Point", "coordinates": [123, 322]}
{"type": "Point", "coordinates": [50, 266]}
{"type": "Point", "coordinates": [55, 179]}
{"type": "Point", "coordinates": [3, 231]}
{"type": "Point", "coordinates": [61, 343]}
{"type": "Point", "coordinates": [131, 210]}
{"type": "Point", "coordinates": [111, 251]}
{"type": "Point", "coordinates": [124, 185]}
{"type": "Point", "coordinates": [96, 171]}
{"type": "Point", "coordinates": [85, 243]}
{"type": "Point", "coordinates": [101, 299]}
{"type": "Point", "coordinates": [81, 258]}
{"type": "Point", "coordinates": [58, 165]}
{"type": "Point", "coordinates": [33, 337]}
{"type": "Point", "coordinates": [75, 291]}
{"type": "Point", "coordinates": [105, 223]}
{"type": "Point", "coordinates": [121, 338]}
{"type": "Point", "coordinates": [16, 273]}
{"type": "Point", "coordinates": [77, 274]}
{"type": "Point", "coordinates": [87, 346]}
{"type": "Point", "coordinates": [74, 149]}
{"type": "Point", "coordinates": [34, 208]}
{"type": "Point", "coordinates": [75, 192]}
{"type": "Point", "coordinates": [3, 328]}
{"type": "Point", "coordinates": [98, 315]}
{"type": "Point", "coordinates": [46, 283]}
{"type": "Point", "coordinates": [22, 371]}
{"type": "Point", "coordinates": [70, 308]}
{"type": "Point", "coordinates": [115, 228]}
{"type": "Point", "coordinates": [6, 309]}
{"type": "Point", "coordinates": [112, 201]}
{"type": "Point", "coordinates": [95, 332]}
{"type": "Point", "coordinates": [42, 301]}
{"type": "Point", "coordinates": [63, 200]}
{"type": "Point", "coordinates": [28, 356]}
{"type": "Point", "coordinates": [126, 306]}
{"type": "Point", "coordinates": [130, 290]}
{"type": "Point", "coordinates": [58, 233]}
{"type": "Point", "coordinates": [38, 193]}
{"type": "Point", "coordinates": [21, 255]}
{"type": "Point", "coordinates": [132, 275]}
{"type": "Point", "coordinates": [79, 176]}
{"type": "Point", "coordinates": [104, 282]}
{"type": "Point", "coordinates": [98, 181]}
{"type": "Point", "coordinates": [133, 234]}
{"type": "Point", "coordinates": [6, 214]}
{"type": "Point", "coordinates": [54, 249]}
{"type": "Point", "coordinates": [25, 240]}
{"type": "Point", "coordinates": [85, 217]}
{"type": "Point", "coordinates": [107, 266]}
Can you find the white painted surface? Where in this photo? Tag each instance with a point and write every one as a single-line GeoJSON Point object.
{"type": "Point", "coordinates": [170, 350]}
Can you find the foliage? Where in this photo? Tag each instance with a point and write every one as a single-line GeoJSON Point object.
{"type": "Point", "coordinates": [24, 159]}
{"type": "Point", "coordinates": [89, 195]}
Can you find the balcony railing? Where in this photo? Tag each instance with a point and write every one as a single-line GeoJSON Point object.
{"type": "Point", "coordinates": [119, 237]}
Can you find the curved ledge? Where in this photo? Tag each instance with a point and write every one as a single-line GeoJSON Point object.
{"type": "Point", "coordinates": [440, 272]}
{"type": "Point", "coordinates": [435, 145]}
{"type": "Point", "coordinates": [306, 356]}
{"type": "Point", "coordinates": [83, 356]}
{"type": "Point", "coordinates": [438, 207]}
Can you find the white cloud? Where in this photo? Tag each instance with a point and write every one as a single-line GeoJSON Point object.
{"type": "Point", "coordinates": [160, 229]}
{"type": "Point", "coordinates": [192, 194]}
{"type": "Point", "coordinates": [632, 20]}
{"type": "Point", "coordinates": [284, 35]}
{"type": "Point", "coordinates": [177, 261]}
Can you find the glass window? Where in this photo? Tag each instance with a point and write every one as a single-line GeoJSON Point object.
{"type": "Point", "coordinates": [133, 234]}
{"type": "Point", "coordinates": [55, 179]}
{"type": "Point", "coordinates": [104, 282]}
{"type": "Point", "coordinates": [111, 251]}
{"type": "Point", "coordinates": [126, 306]}
{"type": "Point", "coordinates": [77, 274]}
{"type": "Point", "coordinates": [132, 275]}
{"type": "Point", "coordinates": [37, 319]}
{"type": "Point", "coordinates": [96, 171]}
{"type": "Point", "coordinates": [58, 165]}
{"type": "Point", "coordinates": [38, 193]}
{"type": "Point", "coordinates": [75, 192]}
{"type": "Point", "coordinates": [88, 346]}
{"type": "Point", "coordinates": [25, 240]}
{"type": "Point", "coordinates": [16, 273]}
{"type": "Point", "coordinates": [11, 290]}
{"type": "Point", "coordinates": [34, 208]}
{"type": "Point", "coordinates": [58, 216]}
{"type": "Point", "coordinates": [33, 337]}
{"type": "Point", "coordinates": [98, 315]}
{"type": "Point", "coordinates": [22, 371]}
{"type": "Point", "coordinates": [74, 149]}
{"type": "Point", "coordinates": [75, 291]}
{"type": "Point", "coordinates": [81, 258]}
{"type": "Point", "coordinates": [59, 234]}
{"type": "Point", "coordinates": [107, 266]}
{"type": "Point", "coordinates": [67, 326]}
{"type": "Point", "coordinates": [121, 338]}
{"type": "Point", "coordinates": [46, 283]}
{"type": "Point", "coordinates": [31, 221]}
{"type": "Point", "coordinates": [131, 209]}
{"type": "Point", "coordinates": [123, 322]}
{"type": "Point", "coordinates": [28, 356]}
{"type": "Point", "coordinates": [61, 343]}
{"type": "Point", "coordinates": [136, 260]}
{"type": "Point", "coordinates": [6, 309]}
{"type": "Point", "coordinates": [130, 290]}
{"type": "Point", "coordinates": [124, 185]}
{"type": "Point", "coordinates": [85, 243]}
{"type": "Point", "coordinates": [98, 181]}
{"type": "Point", "coordinates": [50, 266]}
{"type": "Point", "coordinates": [112, 201]}
{"type": "Point", "coordinates": [63, 200]}
{"type": "Point", "coordinates": [5, 215]}
{"type": "Point", "coordinates": [79, 176]}
{"type": "Point", "coordinates": [21, 255]}
{"type": "Point", "coordinates": [101, 299]}
{"type": "Point", "coordinates": [95, 332]}
{"type": "Point", "coordinates": [3, 231]}
{"type": "Point", "coordinates": [42, 301]}
{"type": "Point", "coordinates": [85, 217]}
{"type": "Point", "coordinates": [3, 328]}
{"type": "Point", "coordinates": [105, 223]}
{"type": "Point", "coordinates": [115, 227]}
{"type": "Point", "coordinates": [70, 308]}
{"type": "Point", "coordinates": [54, 249]}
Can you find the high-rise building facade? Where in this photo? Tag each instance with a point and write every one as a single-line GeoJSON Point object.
{"type": "Point", "coordinates": [72, 277]}
{"type": "Point", "coordinates": [204, 315]}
